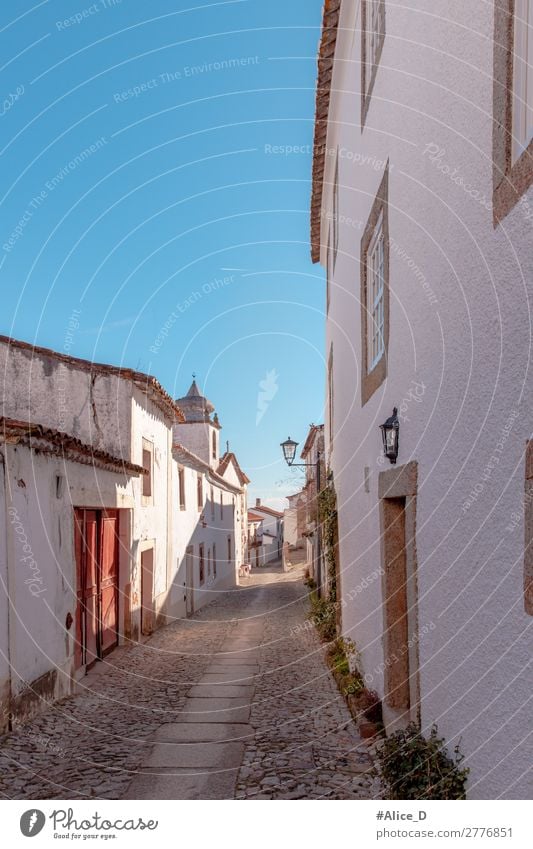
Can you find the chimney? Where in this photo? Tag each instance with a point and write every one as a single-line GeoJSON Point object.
{"type": "Point", "coordinates": [258, 502]}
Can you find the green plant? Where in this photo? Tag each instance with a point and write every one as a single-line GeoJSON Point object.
{"type": "Point", "coordinates": [327, 514]}
{"type": "Point", "coordinates": [323, 615]}
{"type": "Point", "coordinates": [415, 767]}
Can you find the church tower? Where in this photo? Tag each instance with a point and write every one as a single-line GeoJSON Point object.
{"type": "Point", "coordinates": [199, 433]}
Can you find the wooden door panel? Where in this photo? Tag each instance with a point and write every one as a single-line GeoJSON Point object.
{"type": "Point", "coordinates": [108, 584]}
{"type": "Point", "coordinates": [91, 587]}
{"type": "Point", "coordinates": [147, 591]}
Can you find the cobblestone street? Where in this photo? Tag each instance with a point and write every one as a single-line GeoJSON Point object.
{"type": "Point", "coordinates": [236, 702]}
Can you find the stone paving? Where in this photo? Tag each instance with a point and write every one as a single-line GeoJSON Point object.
{"type": "Point", "coordinates": [236, 702]}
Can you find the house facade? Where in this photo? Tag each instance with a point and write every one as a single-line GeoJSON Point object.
{"type": "Point", "coordinates": [294, 520]}
{"type": "Point", "coordinates": [85, 519]}
{"type": "Point", "coordinates": [210, 496]}
{"type": "Point", "coordinates": [421, 217]}
{"type": "Point", "coordinates": [109, 528]}
{"type": "Point", "coordinates": [315, 479]}
{"type": "Point", "coordinates": [271, 530]}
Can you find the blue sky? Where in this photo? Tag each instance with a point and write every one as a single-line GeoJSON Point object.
{"type": "Point", "coordinates": [148, 182]}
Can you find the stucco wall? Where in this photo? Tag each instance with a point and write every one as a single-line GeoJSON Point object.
{"type": "Point", "coordinates": [41, 581]}
{"type": "Point", "coordinates": [189, 529]}
{"type": "Point", "coordinates": [43, 390]}
{"type": "Point", "coordinates": [457, 369]}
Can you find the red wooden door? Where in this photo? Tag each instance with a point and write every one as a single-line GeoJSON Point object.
{"type": "Point", "coordinates": [108, 581]}
{"type": "Point", "coordinates": [96, 551]}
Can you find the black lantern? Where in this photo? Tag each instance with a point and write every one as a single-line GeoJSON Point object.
{"type": "Point", "coordinates": [390, 431]}
{"type": "Point", "coordinates": [289, 450]}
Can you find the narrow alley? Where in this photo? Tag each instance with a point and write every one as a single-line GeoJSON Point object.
{"type": "Point", "coordinates": [235, 702]}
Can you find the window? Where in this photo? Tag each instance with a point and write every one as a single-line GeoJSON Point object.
{"type": "Point", "coordinates": [229, 549]}
{"type": "Point", "coordinates": [212, 499]}
{"type": "Point", "coordinates": [181, 487]}
{"type": "Point", "coordinates": [214, 445]}
{"type": "Point", "coordinates": [147, 481]}
{"type": "Point", "coordinates": [522, 77]}
{"type": "Point", "coordinates": [512, 136]}
{"type": "Point", "coordinates": [375, 294]}
{"type": "Point", "coordinates": [221, 504]}
{"type": "Point", "coordinates": [375, 264]}
{"type": "Point", "coordinates": [373, 36]}
{"type": "Point", "coordinates": [208, 562]}
{"type": "Point", "coordinates": [201, 562]}
{"type": "Point", "coordinates": [214, 561]}
{"type": "Point", "coordinates": [199, 491]}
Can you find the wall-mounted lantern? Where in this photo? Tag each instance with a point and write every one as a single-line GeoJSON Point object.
{"type": "Point", "coordinates": [289, 451]}
{"type": "Point", "coordinates": [390, 431]}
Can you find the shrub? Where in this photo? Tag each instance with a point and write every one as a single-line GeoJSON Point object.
{"type": "Point", "coordinates": [324, 616]}
{"type": "Point", "coordinates": [413, 767]}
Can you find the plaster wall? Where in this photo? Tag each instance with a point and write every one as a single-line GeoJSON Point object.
{"type": "Point", "coordinates": [43, 390]}
{"type": "Point", "coordinates": [457, 370]}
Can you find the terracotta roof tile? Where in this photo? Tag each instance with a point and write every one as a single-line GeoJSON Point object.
{"type": "Point", "coordinates": [326, 52]}
{"type": "Point", "coordinates": [43, 440]}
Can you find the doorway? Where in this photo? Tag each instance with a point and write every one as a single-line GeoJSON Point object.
{"type": "Point", "coordinates": [147, 591]}
{"type": "Point", "coordinates": [96, 552]}
{"type": "Point", "coordinates": [398, 489]}
{"type": "Point", "coordinates": [189, 578]}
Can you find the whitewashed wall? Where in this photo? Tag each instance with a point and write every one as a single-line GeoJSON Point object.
{"type": "Point", "coordinates": [188, 529]}
{"type": "Point", "coordinates": [41, 576]}
{"type": "Point", "coordinates": [457, 368]}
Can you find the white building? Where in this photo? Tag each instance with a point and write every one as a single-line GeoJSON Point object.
{"type": "Point", "coordinates": [271, 530]}
{"type": "Point", "coordinates": [315, 479]}
{"type": "Point", "coordinates": [422, 217]}
{"type": "Point", "coordinates": [103, 518]}
{"type": "Point", "coordinates": [86, 517]}
{"type": "Point", "coordinates": [294, 520]}
{"type": "Point", "coordinates": [211, 527]}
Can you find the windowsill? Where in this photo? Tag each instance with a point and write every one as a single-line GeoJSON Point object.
{"type": "Point", "coordinates": [513, 185]}
{"type": "Point", "coordinates": [373, 380]}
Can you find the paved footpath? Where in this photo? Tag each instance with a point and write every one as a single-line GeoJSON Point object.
{"type": "Point", "coordinates": [236, 702]}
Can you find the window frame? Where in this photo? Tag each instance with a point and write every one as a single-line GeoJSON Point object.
{"type": "Point", "coordinates": [369, 70]}
{"type": "Point", "coordinates": [199, 491]}
{"type": "Point", "coordinates": [512, 173]}
{"type": "Point", "coordinates": [335, 211]}
{"type": "Point", "coordinates": [182, 498]}
{"type": "Point", "coordinates": [201, 563]}
{"type": "Point", "coordinates": [374, 372]}
{"type": "Point", "coordinates": [148, 449]}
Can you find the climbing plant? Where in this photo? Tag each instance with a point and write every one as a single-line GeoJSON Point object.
{"type": "Point", "coordinates": [327, 514]}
